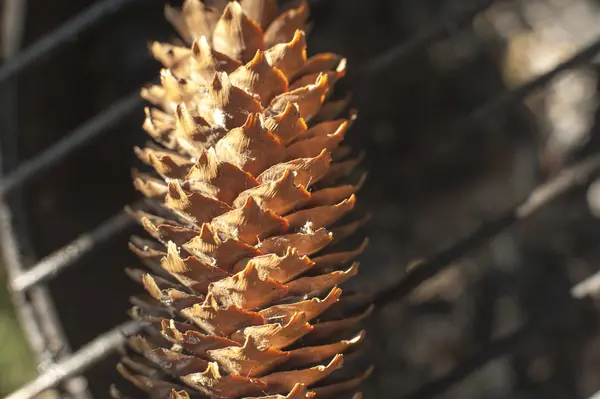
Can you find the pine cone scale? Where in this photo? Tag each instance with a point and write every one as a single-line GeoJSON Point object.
{"type": "Point", "coordinates": [244, 189]}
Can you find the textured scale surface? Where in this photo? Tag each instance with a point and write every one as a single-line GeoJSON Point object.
{"type": "Point", "coordinates": [246, 212]}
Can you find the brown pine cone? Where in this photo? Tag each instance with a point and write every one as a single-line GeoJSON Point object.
{"type": "Point", "coordinates": [245, 198]}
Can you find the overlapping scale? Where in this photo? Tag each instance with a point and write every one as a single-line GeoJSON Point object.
{"type": "Point", "coordinates": [246, 214]}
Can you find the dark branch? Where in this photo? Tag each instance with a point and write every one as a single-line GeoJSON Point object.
{"type": "Point", "coordinates": [73, 253]}
{"type": "Point", "coordinates": [36, 311]}
{"type": "Point", "coordinates": [66, 33]}
{"type": "Point", "coordinates": [497, 348]}
{"type": "Point", "coordinates": [461, 129]}
{"type": "Point", "coordinates": [86, 357]}
{"type": "Point", "coordinates": [69, 144]}
{"type": "Point", "coordinates": [500, 347]}
{"type": "Point", "coordinates": [437, 30]}
{"type": "Point", "coordinates": [576, 176]}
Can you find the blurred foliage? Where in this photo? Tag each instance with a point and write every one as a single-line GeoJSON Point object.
{"type": "Point", "coordinates": [16, 361]}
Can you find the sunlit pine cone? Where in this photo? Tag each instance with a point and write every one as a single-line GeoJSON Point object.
{"type": "Point", "coordinates": [244, 197]}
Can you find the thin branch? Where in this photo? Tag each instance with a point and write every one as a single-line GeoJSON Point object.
{"type": "Point", "coordinates": [87, 356]}
{"type": "Point", "coordinates": [12, 25]}
{"type": "Point", "coordinates": [590, 287]}
{"type": "Point", "coordinates": [575, 176]}
{"type": "Point", "coordinates": [461, 129]}
{"type": "Point", "coordinates": [437, 30]}
{"type": "Point", "coordinates": [12, 262]}
{"type": "Point", "coordinates": [497, 348]}
{"type": "Point", "coordinates": [90, 130]}
{"type": "Point", "coordinates": [12, 30]}
{"type": "Point", "coordinates": [36, 311]}
{"type": "Point", "coordinates": [66, 33]}
{"type": "Point", "coordinates": [73, 253]}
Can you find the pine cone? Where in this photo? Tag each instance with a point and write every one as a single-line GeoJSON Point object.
{"type": "Point", "coordinates": [244, 200]}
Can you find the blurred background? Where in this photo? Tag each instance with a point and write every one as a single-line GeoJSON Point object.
{"type": "Point", "coordinates": [434, 176]}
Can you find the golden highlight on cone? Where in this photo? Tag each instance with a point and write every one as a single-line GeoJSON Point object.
{"type": "Point", "coordinates": [248, 208]}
